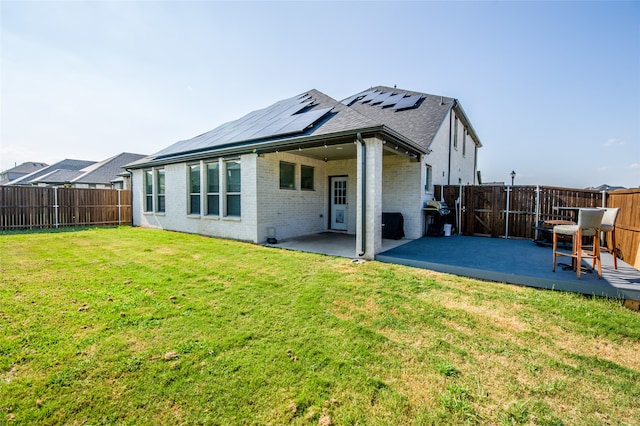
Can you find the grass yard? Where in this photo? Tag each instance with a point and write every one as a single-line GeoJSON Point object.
{"type": "Point", "coordinates": [147, 327]}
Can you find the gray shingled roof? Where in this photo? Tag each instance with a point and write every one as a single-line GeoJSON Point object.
{"type": "Point", "coordinates": [66, 164]}
{"type": "Point", "coordinates": [107, 170]}
{"type": "Point", "coordinates": [420, 123]}
{"type": "Point", "coordinates": [310, 113]}
{"type": "Point", "coordinates": [26, 168]}
{"type": "Point", "coordinates": [59, 176]}
{"type": "Point", "coordinates": [411, 117]}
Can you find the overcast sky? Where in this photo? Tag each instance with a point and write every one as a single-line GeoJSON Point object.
{"type": "Point", "coordinates": [551, 88]}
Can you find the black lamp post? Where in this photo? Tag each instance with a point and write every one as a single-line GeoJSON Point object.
{"type": "Point", "coordinates": [513, 176]}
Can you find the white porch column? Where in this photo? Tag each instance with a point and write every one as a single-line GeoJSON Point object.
{"type": "Point", "coordinates": [371, 177]}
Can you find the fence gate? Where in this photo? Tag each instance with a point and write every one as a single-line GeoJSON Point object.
{"type": "Point", "coordinates": [481, 210]}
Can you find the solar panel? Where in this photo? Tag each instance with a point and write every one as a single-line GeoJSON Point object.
{"type": "Point", "coordinates": [408, 102]}
{"type": "Point", "coordinates": [303, 121]}
{"type": "Point", "coordinates": [355, 98]}
{"type": "Point", "coordinates": [284, 117]}
{"type": "Point", "coordinates": [351, 99]}
{"type": "Point", "coordinates": [392, 100]}
{"type": "Point", "coordinates": [380, 98]}
{"type": "Point", "coordinates": [372, 94]}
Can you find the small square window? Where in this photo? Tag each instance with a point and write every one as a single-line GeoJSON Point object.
{"type": "Point", "coordinates": [287, 175]}
{"type": "Point", "coordinates": [306, 177]}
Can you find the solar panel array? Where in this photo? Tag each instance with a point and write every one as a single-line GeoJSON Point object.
{"type": "Point", "coordinates": [397, 101]}
{"type": "Point", "coordinates": [285, 117]}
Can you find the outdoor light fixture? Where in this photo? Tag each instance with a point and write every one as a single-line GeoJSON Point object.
{"type": "Point", "coordinates": [513, 176]}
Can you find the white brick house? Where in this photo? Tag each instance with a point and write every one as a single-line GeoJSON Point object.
{"type": "Point", "coordinates": [310, 164]}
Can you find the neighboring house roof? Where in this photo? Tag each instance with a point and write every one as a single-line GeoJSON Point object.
{"type": "Point", "coordinates": [409, 118]}
{"type": "Point", "coordinates": [25, 168]}
{"type": "Point", "coordinates": [80, 172]}
{"type": "Point", "coordinates": [605, 187]}
{"type": "Point", "coordinates": [59, 176]}
{"type": "Point", "coordinates": [19, 171]}
{"type": "Point", "coordinates": [107, 170]}
{"type": "Point", "coordinates": [66, 164]}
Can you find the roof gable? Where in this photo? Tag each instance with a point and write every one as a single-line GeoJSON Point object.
{"type": "Point", "coordinates": [416, 115]}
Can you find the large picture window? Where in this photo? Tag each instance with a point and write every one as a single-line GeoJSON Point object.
{"type": "Point", "coordinates": [213, 189]}
{"type": "Point", "coordinates": [306, 177]}
{"type": "Point", "coordinates": [160, 205]}
{"type": "Point", "coordinates": [148, 190]}
{"type": "Point", "coordinates": [194, 189]}
{"type": "Point", "coordinates": [287, 175]}
{"type": "Point", "coordinates": [233, 188]}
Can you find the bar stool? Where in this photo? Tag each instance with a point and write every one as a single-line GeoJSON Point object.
{"type": "Point", "coordinates": [609, 225]}
{"type": "Point", "coordinates": [588, 226]}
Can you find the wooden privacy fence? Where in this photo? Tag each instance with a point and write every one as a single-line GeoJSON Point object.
{"type": "Point", "coordinates": [627, 224]}
{"type": "Point", "coordinates": [516, 211]}
{"type": "Point", "coordinates": [27, 207]}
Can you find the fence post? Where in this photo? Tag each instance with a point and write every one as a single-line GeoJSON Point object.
{"type": "Point", "coordinates": [604, 198]}
{"type": "Point", "coordinates": [459, 213]}
{"type": "Point", "coordinates": [506, 221]}
{"type": "Point", "coordinates": [119, 208]}
{"type": "Point", "coordinates": [55, 206]}
{"type": "Point", "coordinates": [535, 225]}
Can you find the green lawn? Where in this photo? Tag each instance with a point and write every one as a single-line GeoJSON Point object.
{"type": "Point", "coordinates": [137, 326]}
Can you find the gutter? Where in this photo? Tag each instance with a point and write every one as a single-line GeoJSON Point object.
{"type": "Point", "coordinates": [363, 212]}
{"type": "Point", "coordinates": [272, 146]}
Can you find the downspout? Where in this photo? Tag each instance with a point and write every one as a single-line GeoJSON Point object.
{"type": "Point", "coordinates": [450, 142]}
{"type": "Point", "coordinates": [363, 177]}
{"type": "Point", "coordinates": [130, 193]}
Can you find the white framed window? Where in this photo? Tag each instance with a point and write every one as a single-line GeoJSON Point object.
{"type": "Point", "coordinates": [455, 133]}
{"type": "Point", "coordinates": [148, 190]}
{"type": "Point", "coordinates": [306, 177]}
{"type": "Point", "coordinates": [428, 177]}
{"type": "Point", "coordinates": [160, 191]}
{"type": "Point", "coordinates": [213, 189]}
{"type": "Point", "coordinates": [464, 143]}
{"type": "Point", "coordinates": [233, 188]}
{"type": "Point", "coordinates": [287, 175]}
{"type": "Point", "coordinates": [194, 189]}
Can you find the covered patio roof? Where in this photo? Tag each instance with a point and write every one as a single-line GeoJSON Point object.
{"type": "Point", "coordinates": [512, 261]}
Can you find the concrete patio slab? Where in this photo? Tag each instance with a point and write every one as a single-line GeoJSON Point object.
{"type": "Point", "coordinates": [331, 243]}
{"type": "Point", "coordinates": [513, 261]}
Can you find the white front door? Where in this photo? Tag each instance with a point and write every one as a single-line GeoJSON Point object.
{"type": "Point", "coordinates": [339, 207]}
